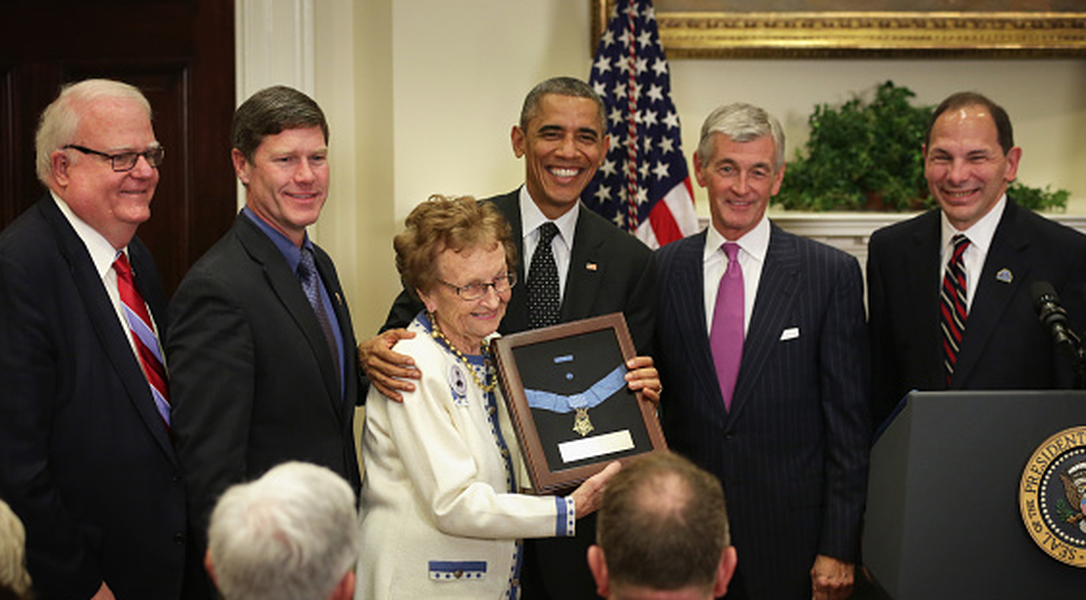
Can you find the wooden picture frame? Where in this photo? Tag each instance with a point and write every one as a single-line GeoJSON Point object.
{"type": "Point", "coordinates": [718, 33]}
{"type": "Point", "coordinates": [568, 400]}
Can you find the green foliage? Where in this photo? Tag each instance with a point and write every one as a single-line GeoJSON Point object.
{"type": "Point", "coordinates": [867, 155]}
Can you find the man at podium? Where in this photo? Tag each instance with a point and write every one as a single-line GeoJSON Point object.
{"type": "Point", "coordinates": [949, 296]}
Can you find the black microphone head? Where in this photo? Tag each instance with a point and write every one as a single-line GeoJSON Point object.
{"type": "Point", "coordinates": [1042, 291]}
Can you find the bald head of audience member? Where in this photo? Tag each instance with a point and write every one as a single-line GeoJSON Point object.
{"type": "Point", "coordinates": [662, 532]}
{"type": "Point", "coordinates": [290, 535]}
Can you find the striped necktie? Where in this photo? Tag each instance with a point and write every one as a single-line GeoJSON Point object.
{"type": "Point", "coordinates": [142, 330]}
{"type": "Point", "coordinates": [952, 305]}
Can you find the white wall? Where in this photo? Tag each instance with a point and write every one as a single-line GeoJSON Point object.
{"type": "Point", "coordinates": [438, 85]}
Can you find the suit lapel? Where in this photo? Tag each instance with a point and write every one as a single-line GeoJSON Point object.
{"type": "Point", "coordinates": [586, 268]}
{"type": "Point", "coordinates": [103, 318]}
{"type": "Point", "coordinates": [922, 259]}
{"type": "Point", "coordinates": [776, 293]}
{"type": "Point", "coordinates": [688, 265]}
{"type": "Point", "coordinates": [993, 295]}
{"type": "Point", "coordinates": [284, 284]}
{"type": "Point", "coordinates": [516, 314]}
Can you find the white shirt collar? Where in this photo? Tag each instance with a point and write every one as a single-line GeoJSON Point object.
{"type": "Point", "coordinates": [755, 243]}
{"type": "Point", "coordinates": [102, 253]}
{"type": "Point", "coordinates": [531, 218]}
{"type": "Point", "coordinates": [981, 233]}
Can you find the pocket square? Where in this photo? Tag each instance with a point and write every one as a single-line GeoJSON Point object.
{"type": "Point", "coordinates": [789, 334]}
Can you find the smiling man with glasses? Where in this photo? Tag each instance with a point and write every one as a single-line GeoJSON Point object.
{"type": "Point", "coordinates": [87, 460]}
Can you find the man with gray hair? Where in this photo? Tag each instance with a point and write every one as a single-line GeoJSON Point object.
{"type": "Point", "coordinates": [290, 535]}
{"type": "Point", "coordinates": [88, 463]}
{"type": "Point", "coordinates": [662, 532]}
{"type": "Point", "coordinates": [762, 349]}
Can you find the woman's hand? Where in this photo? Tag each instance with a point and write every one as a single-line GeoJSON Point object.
{"type": "Point", "coordinates": [587, 496]}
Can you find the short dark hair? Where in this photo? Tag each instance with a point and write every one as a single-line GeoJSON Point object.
{"type": "Point", "coordinates": [561, 86]}
{"type": "Point", "coordinates": [1004, 131]}
{"type": "Point", "coordinates": [662, 524]}
{"type": "Point", "coordinates": [269, 112]}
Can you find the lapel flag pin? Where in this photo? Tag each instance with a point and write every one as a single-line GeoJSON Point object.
{"type": "Point", "coordinates": [1004, 275]}
{"type": "Point", "coordinates": [590, 266]}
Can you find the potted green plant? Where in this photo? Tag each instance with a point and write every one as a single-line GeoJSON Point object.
{"type": "Point", "coordinates": [865, 155]}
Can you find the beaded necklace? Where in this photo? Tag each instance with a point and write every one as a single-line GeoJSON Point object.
{"type": "Point", "coordinates": [438, 335]}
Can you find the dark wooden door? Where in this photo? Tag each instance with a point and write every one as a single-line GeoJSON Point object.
{"type": "Point", "coordinates": [180, 53]}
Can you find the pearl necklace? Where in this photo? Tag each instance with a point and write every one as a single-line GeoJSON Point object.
{"type": "Point", "coordinates": [438, 335]}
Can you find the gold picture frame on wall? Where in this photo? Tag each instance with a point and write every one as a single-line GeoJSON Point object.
{"type": "Point", "coordinates": [707, 29]}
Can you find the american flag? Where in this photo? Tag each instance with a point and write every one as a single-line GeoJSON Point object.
{"type": "Point", "coordinates": [643, 185]}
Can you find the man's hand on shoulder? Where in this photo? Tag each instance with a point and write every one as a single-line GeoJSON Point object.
{"type": "Point", "coordinates": [388, 371]}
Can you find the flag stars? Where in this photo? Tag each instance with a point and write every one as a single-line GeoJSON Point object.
{"type": "Point", "coordinates": [656, 93]}
{"type": "Point", "coordinates": [603, 65]}
{"type": "Point", "coordinates": [603, 194]}
{"type": "Point", "coordinates": [660, 67]}
{"type": "Point", "coordinates": [607, 39]}
{"type": "Point", "coordinates": [661, 171]}
{"type": "Point", "coordinates": [608, 167]}
{"type": "Point", "coordinates": [672, 120]}
{"type": "Point", "coordinates": [645, 39]}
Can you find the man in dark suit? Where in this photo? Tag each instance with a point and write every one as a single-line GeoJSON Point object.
{"type": "Point", "coordinates": [263, 357]}
{"type": "Point", "coordinates": [969, 160]}
{"type": "Point", "coordinates": [85, 454]}
{"type": "Point", "coordinates": [601, 269]}
{"type": "Point", "coordinates": [778, 410]}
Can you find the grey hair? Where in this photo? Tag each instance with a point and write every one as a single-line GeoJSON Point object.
{"type": "Point", "coordinates": [292, 533]}
{"type": "Point", "coordinates": [60, 120]}
{"type": "Point", "coordinates": [742, 123]}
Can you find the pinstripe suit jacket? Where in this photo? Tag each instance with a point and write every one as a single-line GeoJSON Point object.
{"type": "Point", "coordinates": [792, 452]}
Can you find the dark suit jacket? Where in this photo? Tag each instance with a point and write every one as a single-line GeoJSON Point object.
{"type": "Point", "coordinates": [1004, 347]}
{"type": "Point", "coordinates": [623, 278]}
{"type": "Point", "coordinates": [792, 453]}
{"type": "Point", "coordinates": [609, 271]}
{"type": "Point", "coordinates": [85, 459]}
{"type": "Point", "coordinates": [252, 378]}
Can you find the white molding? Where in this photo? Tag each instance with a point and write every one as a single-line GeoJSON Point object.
{"type": "Point", "coordinates": [273, 44]}
{"type": "Point", "coordinates": [852, 231]}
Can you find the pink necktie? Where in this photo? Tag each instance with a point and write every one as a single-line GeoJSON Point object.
{"type": "Point", "coordinates": [143, 334]}
{"type": "Point", "coordinates": [726, 335]}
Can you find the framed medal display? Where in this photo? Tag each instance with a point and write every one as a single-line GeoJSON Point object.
{"type": "Point", "coordinates": [566, 391]}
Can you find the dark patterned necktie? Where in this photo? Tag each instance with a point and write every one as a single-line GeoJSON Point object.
{"type": "Point", "coordinates": [952, 305]}
{"type": "Point", "coordinates": [142, 330]}
{"type": "Point", "coordinates": [543, 297]}
{"type": "Point", "coordinates": [307, 275]}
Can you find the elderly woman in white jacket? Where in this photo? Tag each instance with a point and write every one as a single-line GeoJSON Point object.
{"type": "Point", "coordinates": [441, 516]}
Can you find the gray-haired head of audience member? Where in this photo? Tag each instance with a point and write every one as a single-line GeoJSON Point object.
{"type": "Point", "coordinates": [560, 86]}
{"type": "Point", "coordinates": [14, 580]}
{"type": "Point", "coordinates": [272, 111]}
{"type": "Point", "coordinates": [742, 123]}
{"type": "Point", "coordinates": [290, 535]}
{"type": "Point", "coordinates": [662, 529]}
{"type": "Point", "coordinates": [59, 121]}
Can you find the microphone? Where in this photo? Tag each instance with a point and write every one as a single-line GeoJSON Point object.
{"type": "Point", "coordinates": [1053, 317]}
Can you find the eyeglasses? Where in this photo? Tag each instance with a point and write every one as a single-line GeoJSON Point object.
{"type": "Point", "coordinates": [126, 161]}
{"type": "Point", "coordinates": [475, 291]}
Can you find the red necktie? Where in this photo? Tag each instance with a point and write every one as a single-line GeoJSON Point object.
{"type": "Point", "coordinates": [726, 334]}
{"type": "Point", "coordinates": [143, 335]}
{"type": "Point", "coordinates": [952, 305]}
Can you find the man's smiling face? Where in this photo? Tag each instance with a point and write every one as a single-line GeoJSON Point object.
{"type": "Point", "coordinates": [563, 145]}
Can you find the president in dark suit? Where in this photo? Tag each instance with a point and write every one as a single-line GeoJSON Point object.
{"type": "Point", "coordinates": [997, 341]}
{"type": "Point", "coordinates": [85, 454]}
{"type": "Point", "coordinates": [597, 269]}
{"type": "Point", "coordinates": [762, 351]}
{"type": "Point", "coordinates": [263, 352]}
